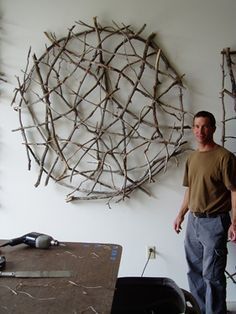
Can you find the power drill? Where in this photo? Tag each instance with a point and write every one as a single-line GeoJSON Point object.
{"type": "Point", "coordinates": [33, 239]}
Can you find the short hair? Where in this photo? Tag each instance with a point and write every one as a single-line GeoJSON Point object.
{"type": "Point", "coordinates": [206, 114]}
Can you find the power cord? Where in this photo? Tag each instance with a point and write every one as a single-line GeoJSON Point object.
{"type": "Point", "coordinates": [149, 256]}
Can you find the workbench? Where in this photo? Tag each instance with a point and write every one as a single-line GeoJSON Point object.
{"type": "Point", "coordinates": [89, 289]}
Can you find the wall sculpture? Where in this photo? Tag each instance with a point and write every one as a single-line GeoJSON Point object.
{"type": "Point", "coordinates": [228, 97]}
{"type": "Point", "coordinates": [100, 111]}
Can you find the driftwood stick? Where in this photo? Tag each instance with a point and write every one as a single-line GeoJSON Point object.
{"type": "Point", "coordinates": [231, 75]}
{"type": "Point", "coordinates": [228, 76]}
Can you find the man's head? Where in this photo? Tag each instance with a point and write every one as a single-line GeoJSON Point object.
{"type": "Point", "coordinates": [206, 114]}
{"type": "Point", "coordinates": [204, 126]}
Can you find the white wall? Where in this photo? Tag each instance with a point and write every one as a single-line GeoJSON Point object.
{"type": "Point", "coordinates": [192, 33]}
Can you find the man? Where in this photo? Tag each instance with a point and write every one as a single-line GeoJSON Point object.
{"type": "Point", "coordinates": [210, 178]}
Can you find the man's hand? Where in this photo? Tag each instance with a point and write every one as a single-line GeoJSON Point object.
{"type": "Point", "coordinates": [178, 222]}
{"type": "Point", "coordinates": [232, 233]}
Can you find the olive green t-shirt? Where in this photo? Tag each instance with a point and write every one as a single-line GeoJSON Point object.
{"type": "Point", "coordinates": [210, 176]}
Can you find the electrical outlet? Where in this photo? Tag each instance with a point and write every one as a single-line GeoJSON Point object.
{"type": "Point", "coordinates": [151, 252]}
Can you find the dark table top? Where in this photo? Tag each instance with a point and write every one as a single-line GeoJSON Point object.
{"type": "Point", "coordinates": [94, 268]}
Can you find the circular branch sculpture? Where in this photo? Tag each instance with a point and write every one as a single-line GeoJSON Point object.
{"type": "Point", "coordinates": [101, 111]}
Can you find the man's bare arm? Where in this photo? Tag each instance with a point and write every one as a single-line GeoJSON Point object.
{"type": "Point", "coordinates": [232, 228]}
{"type": "Point", "coordinates": [183, 210]}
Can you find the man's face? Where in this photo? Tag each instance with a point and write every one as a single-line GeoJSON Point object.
{"type": "Point", "coordinates": [202, 130]}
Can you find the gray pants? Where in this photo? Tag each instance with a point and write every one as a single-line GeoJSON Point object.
{"type": "Point", "coordinates": [206, 254]}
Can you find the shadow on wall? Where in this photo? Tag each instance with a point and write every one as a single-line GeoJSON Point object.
{"type": "Point", "coordinates": [2, 75]}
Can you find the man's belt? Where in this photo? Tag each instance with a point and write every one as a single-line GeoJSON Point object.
{"type": "Point", "coordinates": [207, 215]}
